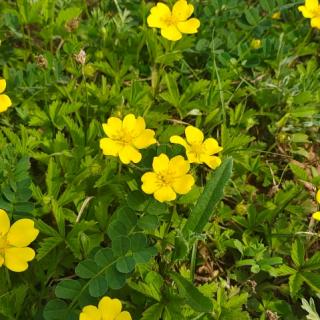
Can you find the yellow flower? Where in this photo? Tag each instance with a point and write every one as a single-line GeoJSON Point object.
{"type": "Point", "coordinates": [126, 137]}
{"type": "Point", "coordinates": [311, 10]}
{"type": "Point", "coordinates": [316, 215]}
{"type": "Point", "coordinates": [276, 15]}
{"type": "Point", "coordinates": [197, 150]}
{"type": "Point", "coordinates": [173, 24]}
{"type": "Point", "coordinates": [255, 43]}
{"type": "Point", "coordinates": [5, 101]}
{"type": "Point", "coordinates": [168, 178]}
{"type": "Point", "coordinates": [14, 241]}
{"type": "Point", "coordinates": [108, 309]}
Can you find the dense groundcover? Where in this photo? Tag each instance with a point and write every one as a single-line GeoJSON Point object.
{"type": "Point", "coordinates": [159, 161]}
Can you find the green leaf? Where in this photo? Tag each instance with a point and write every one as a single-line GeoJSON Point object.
{"type": "Point", "coordinates": [153, 313]}
{"type": "Point", "coordinates": [295, 283]}
{"type": "Point", "coordinates": [297, 253]}
{"type": "Point", "coordinates": [125, 264]}
{"type": "Point", "coordinates": [211, 195]}
{"type": "Point", "coordinates": [312, 279]}
{"type": "Point", "coordinates": [193, 296]}
{"type": "Point", "coordinates": [98, 286]}
{"type": "Point", "coordinates": [47, 245]}
{"type": "Point", "coordinates": [313, 263]}
{"type": "Point", "coordinates": [55, 310]}
{"type": "Point", "coordinates": [67, 289]}
{"type": "Point", "coordinates": [86, 269]}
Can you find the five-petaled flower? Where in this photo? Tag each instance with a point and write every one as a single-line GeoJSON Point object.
{"type": "Point", "coordinates": [168, 178]}
{"type": "Point", "coordinates": [311, 10]}
{"type": "Point", "coordinates": [199, 150]}
{"type": "Point", "coordinates": [173, 24]}
{"type": "Point", "coordinates": [5, 101]}
{"type": "Point", "coordinates": [14, 251]}
{"type": "Point", "coordinates": [126, 137]}
{"type": "Point", "coordinates": [316, 215]}
{"type": "Point", "coordinates": [108, 309]}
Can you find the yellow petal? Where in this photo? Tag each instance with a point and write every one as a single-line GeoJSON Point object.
{"type": "Point", "coordinates": [113, 127]}
{"type": "Point", "coordinates": [312, 5]}
{"type": "Point", "coordinates": [165, 194]}
{"type": "Point", "coordinates": [211, 146]}
{"type": "Point", "coordinates": [179, 140]}
{"type": "Point", "coordinates": [160, 163]}
{"type": "Point", "coordinates": [129, 123]}
{"type": "Point", "coordinates": [1, 260]}
{"type": "Point", "coordinates": [193, 157]}
{"type": "Point", "coordinates": [159, 15]}
{"type": "Point", "coordinates": [305, 12]}
{"type": "Point", "coordinates": [211, 161]}
{"type": "Point", "coordinates": [140, 127]}
{"type": "Point", "coordinates": [90, 313]}
{"type": "Point", "coordinates": [4, 223]}
{"type": "Point", "coordinates": [128, 154]}
{"type": "Point", "coordinates": [5, 102]}
{"type": "Point", "coordinates": [315, 22]}
{"type": "Point", "coordinates": [150, 182]}
{"type": "Point", "coordinates": [16, 259]}
{"type": "Point", "coordinates": [22, 233]}
{"type": "Point", "coordinates": [125, 315]}
{"type": "Point", "coordinates": [145, 139]}
{"type": "Point", "coordinates": [193, 135]}
{"type": "Point", "coordinates": [178, 166]}
{"type": "Point", "coordinates": [171, 33]}
{"type": "Point", "coordinates": [181, 10]}
{"type": "Point", "coordinates": [318, 196]}
{"type": "Point", "coordinates": [110, 147]}
{"type": "Point", "coordinates": [3, 85]}
{"type": "Point", "coordinates": [189, 26]}
{"type": "Point", "coordinates": [109, 308]}
{"type": "Point", "coordinates": [316, 215]}
{"type": "Point", "coordinates": [183, 185]}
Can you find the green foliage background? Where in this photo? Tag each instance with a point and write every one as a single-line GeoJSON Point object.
{"type": "Point", "coordinates": [253, 255]}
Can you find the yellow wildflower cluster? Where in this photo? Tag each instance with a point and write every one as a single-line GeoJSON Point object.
{"type": "Point", "coordinates": [311, 10]}
{"type": "Point", "coordinates": [169, 176]}
{"type": "Point", "coordinates": [14, 241]}
{"type": "Point", "coordinates": [108, 309]}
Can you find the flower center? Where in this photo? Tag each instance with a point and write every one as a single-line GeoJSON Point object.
{"type": "Point", "coordinates": [197, 148]}
{"type": "Point", "coordinates": [124, 138]}
{"type": "Point", "coordinates": [165, 179]}
{"type": "Point", "coordinates": [170, 20]}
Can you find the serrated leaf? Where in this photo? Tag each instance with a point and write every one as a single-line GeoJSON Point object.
{"type": "Point", "coordinates": [297, 253]}
{"type": "Point", "coordinates": [47, 245]}
{"type": "Point", "coordinates": [193, 296]}
{"type": "Point", "coordinates": [209, 198]}
{"type": "Point", "coordinates": [295, 283]}
{"type": "Point", "coordinates": [312, 279]}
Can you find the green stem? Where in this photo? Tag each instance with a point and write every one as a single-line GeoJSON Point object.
{"type": "Point", "coordinates": [193, 260]}
{"type": "Point", "coordinates": [7, 274]}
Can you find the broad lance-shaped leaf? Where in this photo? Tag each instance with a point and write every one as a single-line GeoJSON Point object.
{"type": "Point", "coordinates": [195, 299]}
{"type": "Point", "coordinates": [211, 195]}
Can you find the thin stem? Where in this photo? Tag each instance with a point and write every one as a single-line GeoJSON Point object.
{"type": "Point", "coordinates": [193, 260]}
